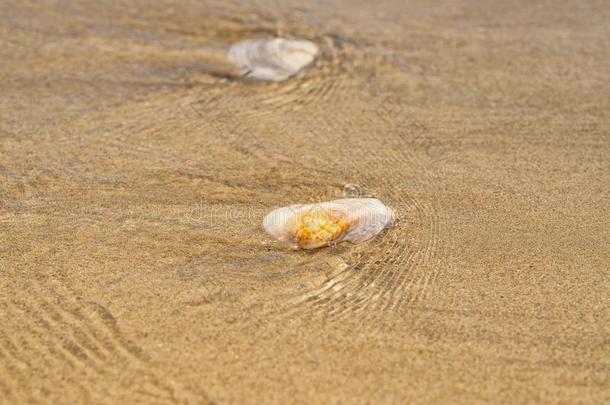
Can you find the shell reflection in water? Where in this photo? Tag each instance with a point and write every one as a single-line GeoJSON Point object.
{"type": "Point", "coordinates": [272, 59]}
{"type": "Point", "coordinates": [312, 226]}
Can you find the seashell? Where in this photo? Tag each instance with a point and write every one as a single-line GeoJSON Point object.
{"type": "Point", "coordinates": [272, 59]}
{"type": "Point", "coordinates": [312, 226]}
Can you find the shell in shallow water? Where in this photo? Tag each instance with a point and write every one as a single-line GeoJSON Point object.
{"type": "Point", "coordinates": [272, 59]}
{"type": "Point", "coordinates": [312, 226]}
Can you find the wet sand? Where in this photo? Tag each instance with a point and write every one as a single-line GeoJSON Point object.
{"type": "Point", "coordinates": [136, 167]}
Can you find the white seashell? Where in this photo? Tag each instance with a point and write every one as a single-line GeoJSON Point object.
{"type": "Point", "coordinates": [323, 224]}
{"type": "Point", "coordinates": [272, 59]}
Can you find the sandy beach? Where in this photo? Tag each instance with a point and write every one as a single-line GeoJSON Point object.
{"type": "Point", "coordinates": [136, 166]}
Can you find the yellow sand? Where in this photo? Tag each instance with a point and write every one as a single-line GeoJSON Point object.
{"type": "Point", "coordinates": [135, 170]}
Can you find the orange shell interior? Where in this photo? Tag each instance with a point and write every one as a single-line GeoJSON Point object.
{"type": "Point", "coordinates": [319, 228]}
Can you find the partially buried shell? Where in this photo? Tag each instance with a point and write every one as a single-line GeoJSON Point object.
{"type": "Point", "coordinates": [312, 226]}
{"type": "Point", "coordinates": [272, 59]}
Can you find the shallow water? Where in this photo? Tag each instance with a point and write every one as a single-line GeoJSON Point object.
{"type": "Point", "coordinates": [136, 166]}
